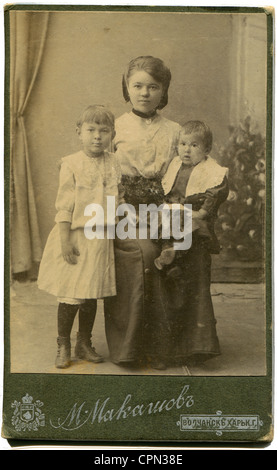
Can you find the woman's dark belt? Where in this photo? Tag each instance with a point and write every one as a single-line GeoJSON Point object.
{"type": "Point", "coordinates": [141, 190]}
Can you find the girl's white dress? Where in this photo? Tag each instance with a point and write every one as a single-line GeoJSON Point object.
{"type": "Point", "coordinates": [83, 181]}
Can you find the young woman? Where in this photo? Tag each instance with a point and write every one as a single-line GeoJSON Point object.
{"type": "Point", "coordinates": [145, 143]}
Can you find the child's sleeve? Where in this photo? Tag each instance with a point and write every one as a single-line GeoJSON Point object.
{"type": "Point", "coordinates": [215, 196]}
{"type": "Point", "coordinates": [65, 200]}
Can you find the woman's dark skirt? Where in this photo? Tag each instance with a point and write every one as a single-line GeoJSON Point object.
{"type": "Point", "coordinates": [155, 315]}
{"type": "Point", "coordinates": [136, 322]}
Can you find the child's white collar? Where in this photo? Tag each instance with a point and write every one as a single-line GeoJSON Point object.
{"type": "Point", "coordinates": [207, 174]}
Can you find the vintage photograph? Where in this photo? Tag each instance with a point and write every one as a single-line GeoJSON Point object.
{"type": "Point", "coordinates": [116, 117]}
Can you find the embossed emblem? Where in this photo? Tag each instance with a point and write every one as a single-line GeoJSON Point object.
{"type": "Point", "coordinates": [27, 415]}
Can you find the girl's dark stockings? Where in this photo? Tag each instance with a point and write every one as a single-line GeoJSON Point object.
{"type": "Point", "coordinates": [66, 316]}
{"type": "Point", "coordinates": [87, 313]}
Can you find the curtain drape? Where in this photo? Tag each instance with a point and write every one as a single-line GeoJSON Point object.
{"type": "Point", "coordinates": [27, 39]}
{"type": "Point", "coordinates": [248, 61]}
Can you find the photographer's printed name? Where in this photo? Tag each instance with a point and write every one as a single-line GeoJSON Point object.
{"type": "Point", "coordinates": [81, 414]}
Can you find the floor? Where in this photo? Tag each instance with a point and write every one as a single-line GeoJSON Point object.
{"type": "Point", "coordinates": [239, 310]}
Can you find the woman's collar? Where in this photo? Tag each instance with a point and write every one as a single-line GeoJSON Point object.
{"type": "Point", "coordinates": [149, 115]}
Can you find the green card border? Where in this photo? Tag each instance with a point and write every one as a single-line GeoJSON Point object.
{"type": "Point", "coordinates": [252, 393]}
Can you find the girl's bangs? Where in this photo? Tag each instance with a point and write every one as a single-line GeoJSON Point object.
{"type": "Point", "coordinates": [97, 114]}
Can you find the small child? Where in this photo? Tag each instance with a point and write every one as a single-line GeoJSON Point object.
{"type": "Point", "coordinates": [75, 269]}
{"type": "Point", "coordinates": [193, 177]}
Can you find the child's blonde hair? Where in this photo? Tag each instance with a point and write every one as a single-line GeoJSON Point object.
{"type": "Point", "coordinates": [96, 113]}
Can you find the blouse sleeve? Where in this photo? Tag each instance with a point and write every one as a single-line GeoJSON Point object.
{"type": "Point", "coordinates": [65, 200]}
{"type": "Point", "coordinates": [118, 173]}
{"type": "Point", "coordinates": [215, 196]}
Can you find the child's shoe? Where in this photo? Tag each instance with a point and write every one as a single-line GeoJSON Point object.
{"type": "Point", "coordinates": [84, 350]}
{"type": "Point", "coordinates": [166, 257]}
{"type": "Point", "coordinates": [64, 353]}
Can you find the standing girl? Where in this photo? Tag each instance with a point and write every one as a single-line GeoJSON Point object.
{"type": "Point", "coordinates": [75, 269]}
{"type": "Point", "coordinates": [137, 320]}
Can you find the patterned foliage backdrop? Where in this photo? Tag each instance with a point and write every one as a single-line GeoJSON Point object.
{"type": "Point", "coordinates": [240, 225]}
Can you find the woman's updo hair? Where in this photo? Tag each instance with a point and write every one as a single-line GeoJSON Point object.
{"type": "Point", "coordinates": [154, 67]}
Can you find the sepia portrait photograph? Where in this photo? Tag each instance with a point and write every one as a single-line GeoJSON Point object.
{"type": "Point", "coordinates": [138, 169]}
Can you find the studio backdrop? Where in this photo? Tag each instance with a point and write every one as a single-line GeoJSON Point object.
{"type": "Point", "coordinates": [63, 61]}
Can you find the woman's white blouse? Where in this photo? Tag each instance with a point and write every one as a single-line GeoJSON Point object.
{"type": "Point", "coordinates": [145, 149]}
